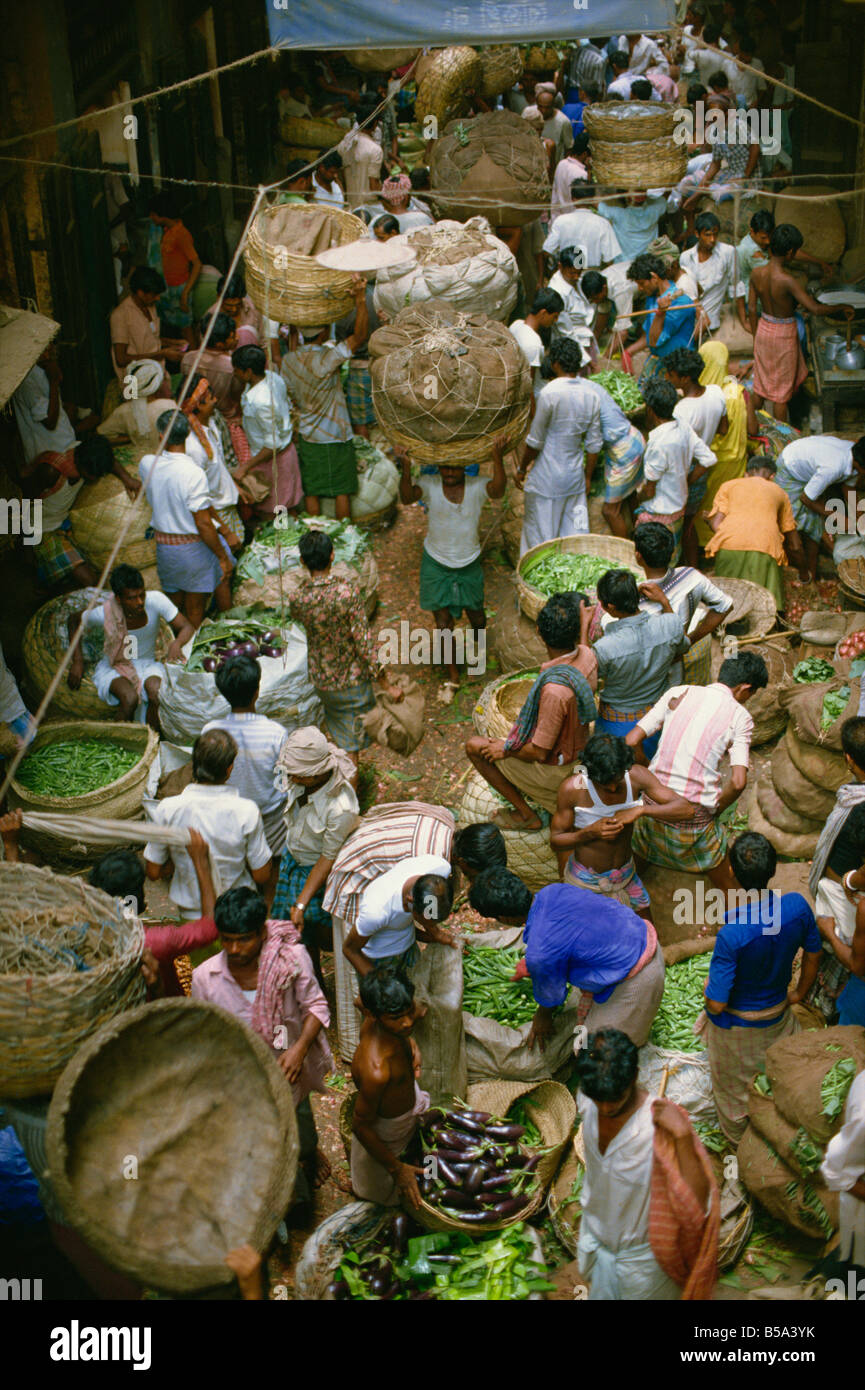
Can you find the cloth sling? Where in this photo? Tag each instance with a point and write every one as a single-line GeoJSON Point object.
{"type": "Point", "coordinates": [92, 830]}
{"type": "Point", "coordinates": [683, 1238]}
{"type": "Point", "coordinates": [850, 795]}
{"type": "Point", "coordinates": [527, 718]}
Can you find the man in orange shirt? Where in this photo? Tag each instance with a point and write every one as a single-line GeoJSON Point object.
{"type": "Point", "coordinates": [174, 252]}
{"type": "Point", "coordinates": [753, 521]}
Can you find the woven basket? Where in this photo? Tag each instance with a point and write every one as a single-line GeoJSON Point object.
{"type": "Point", "coordinates": [622, 122]}
{"type": "Point", "coordinates": [501, 66]}
{"type": "Point", "coordinates": [42, 647]}
{"type": "Point", "coordinates": [752, 605]}
{"type": "Point", "coordinates": [44, 1018]}
{"type": "Point", "coordinates": [616, 549]}
{"type": "Point", "coordinates": [565, 1216]}
{"type": "Point", "coordinates": [443, 90]}
{"type": "Point", "coordinates": [640, 164]}
{"type": "Point", "coordinates": [380, 59]}
{"type": "Point", "coordinates": [101, 511]}
{"type": "Point", "coordinates": [181, 1086]}
{"type": "Point", "coordinates": [540, 57]}
{"type": "Point", "coordinates": [553, 1111]}
{"type": "Point", "coordinates": [294, 288]}
{"type": "Point", "coordinates": [293, 575]}
{"type": "Point", "coordinates": [770, 719]}
{"type": "Point", "coordinates": [309, 156]}
{"type": "Point", "coordinates": [310, 132]}
{"type": "Point", "coordinates": [502, 701]}
{"type": "Point", "coordinates": [119, 800]}
{"type": "Point", "coordinates": [514, 640]}
{"type": "Point", "coordinates": [529, 853]}
{"type": "Point", "coordinates": [852, 575]}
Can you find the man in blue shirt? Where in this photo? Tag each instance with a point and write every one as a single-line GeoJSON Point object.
{"type": "Point", "coordinates": [634, 218]}
{"type": "Point", "coordinates": [574, 937]}
{"type": "Point", "coordinates": [671, 315]}
{"type": "Point", "coordinates": [748, 992]}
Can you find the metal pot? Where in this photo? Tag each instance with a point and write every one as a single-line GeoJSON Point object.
{"type": "Point", "coordinates": [832, 344]}
{"type": "Point", "coordinates": [850, 359]}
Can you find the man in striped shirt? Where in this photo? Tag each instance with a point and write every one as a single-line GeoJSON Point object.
{"type": "Point", "coordinates": [699, 725]}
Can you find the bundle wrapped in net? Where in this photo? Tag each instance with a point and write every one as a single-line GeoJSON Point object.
{"type": "Point", "coordinates": [447, 84]}
{"type": "Point", "coordinates": [454, 263]}
{"type": "Point", "coordinates": [445, 383]}
{"type": "Point", "coordinates": [501, 66]}
{"type": "Point", "coordinates": [493, 164]}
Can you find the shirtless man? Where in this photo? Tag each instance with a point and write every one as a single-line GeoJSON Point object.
{"type": "Point", "coordinates": [385, 1068]}
{"type": "Point", "coordinates": [593, 824]}
{"type": "Point", "coordinates": [779, 366]}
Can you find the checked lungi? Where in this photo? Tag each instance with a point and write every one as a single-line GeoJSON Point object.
{"type": "Point", "coordinates": [623, 884]}
{"type": "Point", "coordinates": [623, 466]}
{"type": "Point", "coordinates": [779, 367]}
{"type": "Point", "coordinates": [292, 877]}
{"type": "Point", "coordinates": [697, 662]}
{"type": "Point", "coordinates": [617, 723]}
{"type": "Point", "coordinates": [56, 556]}
{"type": "Point", "coordinates": [735, 1055]}
{"type": "Point", "coordinates": [358, 393]}
{"type": "Point", "coordinates": [693, 846]}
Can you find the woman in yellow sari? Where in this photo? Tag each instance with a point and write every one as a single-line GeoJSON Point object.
{"type": "Point", "coordinates": [730, 449]}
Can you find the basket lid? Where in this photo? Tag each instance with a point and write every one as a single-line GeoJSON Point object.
{"type": "Point", "coordinates": [367, 254]}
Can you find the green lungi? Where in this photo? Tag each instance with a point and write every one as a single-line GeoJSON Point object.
{"type": "Point", "coordinates": [327, 470]}
{"type": "Point", "coordinates": [454, 589]}
{"type": "Point", "coordinates": [755, 565]}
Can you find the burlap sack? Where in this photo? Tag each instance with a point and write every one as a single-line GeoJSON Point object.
{"type": "Point", "coordinates": [398, 725]}
{"type": "Point", "coordinates": [796, 1067]}
{"type": "Point", "coordinates": [494, 1052]}
{"type": "Point", "coordinates": [493, 165]}
{"type": "Point", "coordinates": [819, 765]}
{"type": "Point", "coordinates": [766, 1119]}
{"type": "Point", "coordinates": [768, 715]}
{"type": "Point", "coordinates": [738, 340]}
{"type": "Point", "coordinates": [814, 209]}
{"type": "Point", "coordinates": [805, 704]}
{"type": "Point", "coordinates": [792, 846]}
{"type": "Point", "coordinates": [446, 378]}
{"type": "Point", "coordinates": [438, 983]}
{"type": "Point", "coordinates": [778, 813]}
{"type": "Point", "coordinates": [778, 1189]}
{"type": "Point", "coordinates": [462, 264]}
{"type": "Point", "coordinates": [796, 790]}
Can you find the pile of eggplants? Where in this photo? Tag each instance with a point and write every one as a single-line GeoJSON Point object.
{"type": "Point", "coordinates": [481, 1174]}
{"type": "Point", "coordinates": [371, 1272]}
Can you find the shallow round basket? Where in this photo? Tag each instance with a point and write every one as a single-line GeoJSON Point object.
{"type": "Point", "coordinates": [118, 800]}
{"type": "Point", "coordinates": [500, 702]}
{"type": "Point", "coordinates": [45, 1018]}
{"type": "Point", "coordinates": [753, 606]}
{"type": "Point", "coordinates": [197, 1102]}
{"type": "Point", "coordinates": [457, 453]}
{"type": "Point", "coordinates": [616, 549]}
{"type": "Point", "coordinates": [623, 121]}
{"type": "Point", "coordinates": [295, 288]}
{"type": "Point", "coordinates": [641, 164]}
{"type": "Point", "coordinates": [852, 575]}
{"type": "Point", "coordinates": [102, 510]}
{"type": "Point", "coordinates": [310, 132]}
{"type": "Point", "coordinates": [529, 853]}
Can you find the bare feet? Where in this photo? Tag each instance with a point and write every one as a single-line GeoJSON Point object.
{"type": "Point", "coordinates": [323, 1169]}
{"type": "Point", "coordinates": [447, 692]}
{"type": "Point", "coordinates": [509, 819]}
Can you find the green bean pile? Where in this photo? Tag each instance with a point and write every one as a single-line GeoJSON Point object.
{"type": "Point", "coordinates": [682, 1002]}
{"type": "Point", "coordinates": [489, 991]}
{"type": "Point", "coordinates": [623, 389]}
{"type": "Point", "coordinates": [836, 1084]}
{"type": "Point", "coordinates": [75, 767]}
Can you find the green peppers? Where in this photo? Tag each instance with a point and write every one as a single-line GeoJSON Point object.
{"type": "Point", "coordinates": [489, 990]}
{"type": "Point", "coordinates": [623, 389]}
{"type": "Point", "coordinates": [76, 767]}
{"type": "Point", "coordinates": [682, 1002]}
{"type": "Point", "coordinates": [553, 572]}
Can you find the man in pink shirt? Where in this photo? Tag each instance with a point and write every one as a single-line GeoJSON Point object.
{"type": "Point", "coordinates": [264, 976]}
{"type": "Point", "coordinates": [574, 166]}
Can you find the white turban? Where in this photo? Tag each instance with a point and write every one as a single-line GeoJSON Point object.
{"type": "Point", "coordinates": [307, 753]}
{"type": "Point", "coordinates": [148, 375]}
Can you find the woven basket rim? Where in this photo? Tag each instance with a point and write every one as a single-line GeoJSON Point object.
{"type": "Point", "coordinates": [616, 548]}
{"type": "Point", "coordinates": [90, 728]}
{"type": "Point", "coordinates": [154, 1270]}
{"type": "Point", "coordinates": [600, 121]}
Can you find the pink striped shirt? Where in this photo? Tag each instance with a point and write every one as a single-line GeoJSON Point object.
{"type": "Point", "coordinates": [700, 723]}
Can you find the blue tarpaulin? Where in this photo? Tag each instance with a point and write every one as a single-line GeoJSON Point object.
{"type": "Point", "coordinates": [402, 23]}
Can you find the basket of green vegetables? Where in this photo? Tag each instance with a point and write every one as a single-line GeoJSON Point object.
{"type": "Point", "coordinates": [569, 564]}
{"type": "Point", "coordinates": [86, 767]}
{"type": "Point", "coordinates": [270, 569]}
{"type": "Point", "coordinates": [624, 391]}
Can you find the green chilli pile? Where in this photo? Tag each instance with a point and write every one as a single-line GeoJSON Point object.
{"type": "Point", "coordinates": [623, 389]}
{"type": "Point", "coordinates": [489, 989]}
{"type": "Point", "coordinates": [683, 999]}
{"type": "Point", "coordinates": [556, 572]}
{"type": "Point", "coordinates": [75, 767]}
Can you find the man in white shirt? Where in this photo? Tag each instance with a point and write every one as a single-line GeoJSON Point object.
{"type": "Point", "coordinates": [406, 904]}
{"type": "Point", "coordinates": [362, 157]}
{"type": "Point", "coordinates": [204, 446]}
{"type": "Point", "coordinates": [570, 170]}
{"type": "Point", "coordinates": [671, 448]}
{"type": "Point", "coordinates": [556, 125]}
{"type": "Point", "coordinates": [747, 85]}
{"type": "Point", "coordinates": [544, 313]}
{"type": "Point", "coordinates": [714, 266]}
{"type": "Point", "coordinates": [259, 742]}
{"type": "Point", "coordinates": [843, 1170]}
{"type": "Point", "coordinates": [326, 187]}
{"type": "Point", "coordinates": [621, 1124]}
{"type": "Point", "coordinates": [597, 247]}
{"type": "Point", "coordinates": [192, 559]}
{"type": "Point", "coordinates": [708, 62]}
{"type": "Point", "coordinates": [561, 449]}
{"type": "Point", "coordinates": [807, 469]}
{"type": "Point", "coordinates": [644, 53]}
{"type": "Point", "coordinates": [451, 573]}
{"type": "Point", "coordinates": [704, 408]}
{"type": "Point", "coordinates": [231, 825]}
{"type": "Point", "coordinates": [266, 414]}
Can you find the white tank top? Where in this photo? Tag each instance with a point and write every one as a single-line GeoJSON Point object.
{"type": "Point", "coordinates": [588, 815]}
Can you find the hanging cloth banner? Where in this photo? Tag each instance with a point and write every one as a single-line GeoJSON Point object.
{"type": "Point", "coordinates": [401, 23]}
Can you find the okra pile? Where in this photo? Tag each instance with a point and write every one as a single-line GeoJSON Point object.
{"type": "Point", "coordinates": [440, 1266]}
{"type": "Point", "coordinates": [683, 999]}
{"type": "Point", "coordinates": [76, 767]}
{"type": "Point", "coordinates": [489, 989]}
{"type": "Point", "coordinates": [479, 1171]}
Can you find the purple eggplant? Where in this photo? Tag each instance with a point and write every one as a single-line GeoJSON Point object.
{"type": "Point", "coordinates": [508, 1132]}
{"type": "Point", "coordinates": [474, 1218]}
{"type": "Point", "coordinates": [509, 1207]}
{"type": "Point", "coordinates": [500, 1180]}
{"type": "Point", "coordinates": [248, 649]}
{"type": "Point", "coordinates": [338, 1289]}
{"type": "Point", "coordinates": [452, 1197]}
{"type": "Point", "coordinates": [269, 650]}
{"type": "Point", "coordinates": [399, 1232]}
{"type": "Point", "coordinates": [463, 1122]}
{"type": "Point", "coordinates": [209, 664]}
{"type": "Point", "coordinates": [379, 1284]}
{"type": "Point", "coordinates": [531, 1163]}
{"type": "Point", "coordinates": [452, 1139]}
{"type": "Point", "coordinates": [451, 1178]}
{"type": "Point", "coordinates": [474, 1178]}
{"type": "Point", "coordinates": [451, 1156]}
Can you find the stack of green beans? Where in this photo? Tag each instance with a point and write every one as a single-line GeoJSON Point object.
{"type": "Point", "coordinates": [76, 767]}
{"type": "Point", "coordinates": [489, 990]}
{"type": "Point", "coordinates": [682, 1002]}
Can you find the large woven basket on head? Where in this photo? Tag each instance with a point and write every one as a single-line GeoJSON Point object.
{"type": "Point", "coordinates": [540, 57]}
{"type": "Point", "coordinates": [754, 610]}
{"type": "Point", "coordinates": [380, 59]}
{"type": "Point", "coordinates": [501, 66]}
{"type": "Point", "coordinates": [624, 121]}
{"type": "Point", "coordinates": [284, 280]}
{"type": "Point", "coordinates": [491, 165]}
{"type": "Point", "coordinates": [310, 132]}
{"type": "Point", "coordinates": [101, 511]}
{"type": "Point", "coordinates": [446, 383]}
{"type": "Point", "coordinates": [69, 962]}
{"type": "Point", "coordinates": [620, 553]}
{"type": "Point", "coordinates": [639, 164]}
{"type": "Point", "coordinates": [197, 1102]}
{"type": "Point", "coordinates": [445, 87]}
{"type": "Point", "coordinates": [529, 853]}
{"type": "Point", "coordinates": [119, 800]}
{"type": "Point", "coordinates": [294, 574]}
